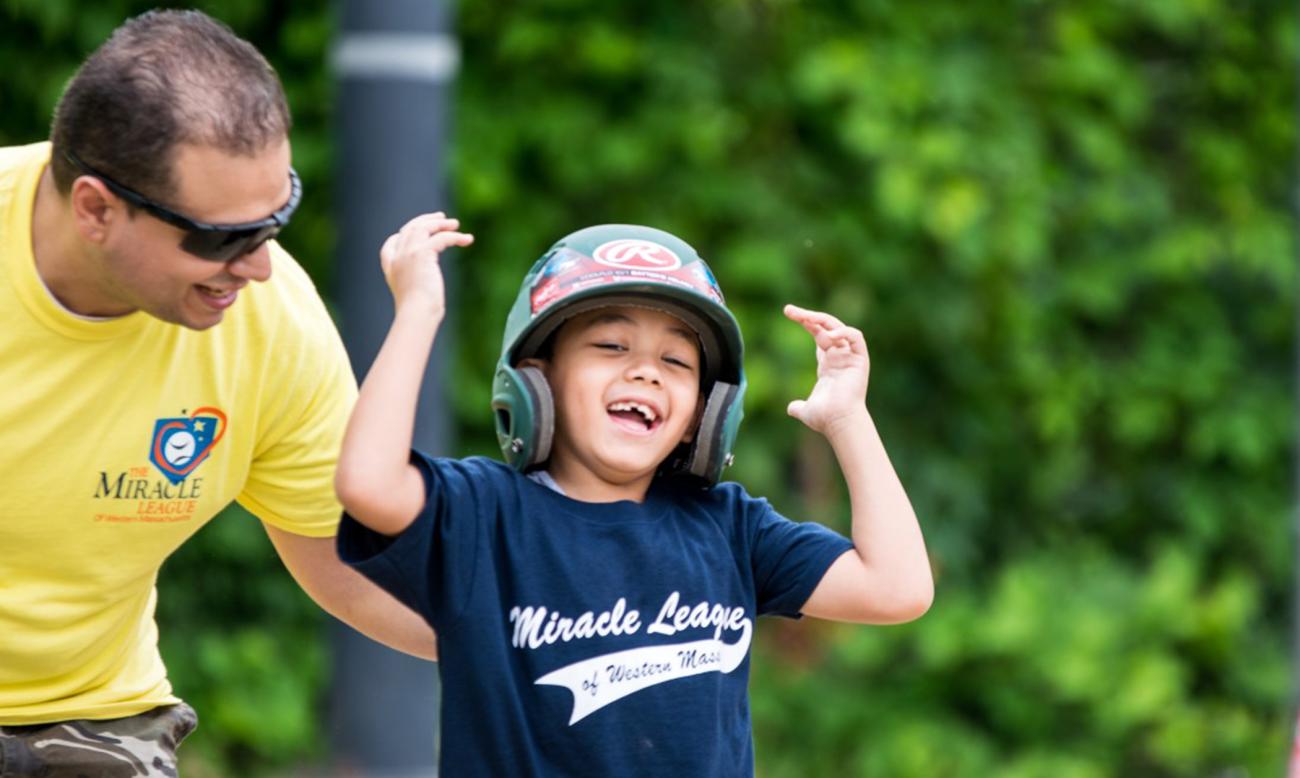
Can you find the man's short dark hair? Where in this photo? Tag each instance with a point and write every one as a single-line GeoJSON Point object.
{"type": "Point", "coordinates": [162, 79]}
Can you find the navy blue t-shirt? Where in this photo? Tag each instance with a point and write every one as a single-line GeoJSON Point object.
{"type": "Point", "coordinates": [581, 638]}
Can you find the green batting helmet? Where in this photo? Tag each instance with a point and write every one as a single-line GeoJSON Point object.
{"type": "Point", "coordinates": [619, 264]}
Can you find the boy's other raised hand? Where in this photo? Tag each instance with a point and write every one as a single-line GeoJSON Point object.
{"type": "Point", "coordinates": [843, 367]}
{"type": "Point", "coordinates": [409, 258]}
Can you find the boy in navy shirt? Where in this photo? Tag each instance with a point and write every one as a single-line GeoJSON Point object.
{"type": "Point", "coordinates": [594, 596]}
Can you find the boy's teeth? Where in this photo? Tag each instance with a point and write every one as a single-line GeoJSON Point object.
{"type": "Point", "coordinates": [637, 407]}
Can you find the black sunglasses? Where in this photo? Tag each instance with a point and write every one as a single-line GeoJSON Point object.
{"type": "Point", "coordinates": [217, 242]}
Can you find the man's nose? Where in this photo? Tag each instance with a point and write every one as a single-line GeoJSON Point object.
{"type": "Point", "coordinates": [255, 265]}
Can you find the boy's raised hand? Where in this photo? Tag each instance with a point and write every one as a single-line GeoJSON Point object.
{"type": "Point", "coordinates": [842, 370]}
{"type": "Point", "coordinates": [410, 260]}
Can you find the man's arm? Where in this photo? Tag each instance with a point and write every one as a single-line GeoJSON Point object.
{"type": "Point", "coordinates": [348, 596]}
{"type": "Point", "coordinates": [886, 578]}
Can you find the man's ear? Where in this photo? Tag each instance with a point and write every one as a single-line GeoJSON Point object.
{"type": "Point", "coordinates": [93, 208]}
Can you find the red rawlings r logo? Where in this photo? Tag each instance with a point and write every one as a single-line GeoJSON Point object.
{"type": "Point", "coordinates": [640, 254]}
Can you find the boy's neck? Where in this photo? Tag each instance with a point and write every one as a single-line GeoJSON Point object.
{"type": "Point", "coordinates": [580, 483]}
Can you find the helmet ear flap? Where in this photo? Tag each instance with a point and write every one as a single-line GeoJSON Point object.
{"type": "Point", "coordinates": [711, 450]}
{"type": "Point", "coordinates": [524, 412]}
{"type": "Point", "coordinates": [543, 402]}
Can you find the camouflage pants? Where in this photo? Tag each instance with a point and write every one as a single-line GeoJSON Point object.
{"type": "Point", "coordinates": [143, 745]}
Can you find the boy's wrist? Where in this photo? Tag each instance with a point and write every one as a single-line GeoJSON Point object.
{"type": "Point", "coordinates": [416, 311]}
{"type": "Point", "coordinates": [855, 422]}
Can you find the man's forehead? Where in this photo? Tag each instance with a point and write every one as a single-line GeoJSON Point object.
{"type": "Point", "coordinates": [223, 187]}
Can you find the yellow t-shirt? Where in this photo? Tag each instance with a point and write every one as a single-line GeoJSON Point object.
{"type": "Point", "coordinates": [119, 439]}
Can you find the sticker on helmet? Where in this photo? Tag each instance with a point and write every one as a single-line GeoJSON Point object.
{"type": "Point", "coordinates": [637, 253]}
{"type": "Point", "coordinates": [568, 272]}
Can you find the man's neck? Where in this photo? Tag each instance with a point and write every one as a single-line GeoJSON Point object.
{"type": "Point", "coordinates": [62, 261]}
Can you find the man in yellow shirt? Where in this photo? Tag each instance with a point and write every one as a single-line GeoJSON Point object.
{"type": "Point", "coordinates": [160, 356]}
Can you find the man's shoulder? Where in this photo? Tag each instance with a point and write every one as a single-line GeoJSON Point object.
{"type": "Point", "coordinates": [28, 154]}
{"type": "Point", "coordinates": [17, 162]}
{"type": "Point", "coordinates": [287, 305]}
{"type": "Point", "coordinates": [289, 281]}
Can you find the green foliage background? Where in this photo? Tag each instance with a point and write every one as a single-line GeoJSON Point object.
{"type": "Point", "coordinates": [1066, 231]}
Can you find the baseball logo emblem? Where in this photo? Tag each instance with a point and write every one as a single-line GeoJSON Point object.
{"type": "Point", "coordinates": [637, 254]}
{"type": "Point", "coordinates": [182, 444]}
{"type": "Point", "coordinates": [180, 448]}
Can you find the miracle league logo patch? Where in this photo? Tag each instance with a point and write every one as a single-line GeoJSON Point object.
{"type": "Point", "coordinates": [181, 444]}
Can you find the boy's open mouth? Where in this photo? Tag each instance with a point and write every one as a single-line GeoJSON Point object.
{"type": "Point", "coordinates": [634, 416]}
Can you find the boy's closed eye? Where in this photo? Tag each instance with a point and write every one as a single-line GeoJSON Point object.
{"type": "Point", "coordinates": [672, 359]}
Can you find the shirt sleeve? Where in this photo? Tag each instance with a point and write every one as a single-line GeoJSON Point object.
{"type": "Point", "coordinates": [789, 558]}
{"type": "Point", "coordinates": [430, 567]}
{"type": "Point", "coordinates": [309, 395]}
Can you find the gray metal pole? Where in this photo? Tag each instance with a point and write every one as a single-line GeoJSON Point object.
{"type": "Point", "coordinates": [395, 60]}
{"type": "Point", "coordinates": [1293, 769]}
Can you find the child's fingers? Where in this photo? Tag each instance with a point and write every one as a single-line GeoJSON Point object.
{"type": "Point", "coordinates": [796, 315]}
{"type": "Point", "coordinates": [435, 225]}
{"type": "Point", "coordinates": [435, 242]}
{"type": "Point", "coordinates": [425, 225]}
{"type": "Point", "coordinates": [826, 320]}
{"type": "Point", "coordinates": [442, 241]}
{"type": "Point", "coordinates": [812, 320]}
{"type": "Point", "coordinates": [422, 221]}
{"type": "Point", "coordinates": [846, 337]}
{"type": "Point", "coordinates": [419, 225]}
